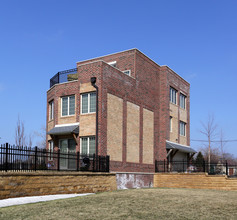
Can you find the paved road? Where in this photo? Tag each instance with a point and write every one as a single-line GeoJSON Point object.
{"type": "Point", "coordinates": [34, 199]}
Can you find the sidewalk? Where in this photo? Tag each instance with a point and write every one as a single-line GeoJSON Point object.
{"type": "Point", "coordinates": [35, 199]}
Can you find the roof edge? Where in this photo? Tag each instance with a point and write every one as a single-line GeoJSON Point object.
{"type": "Point", "coordinates": [107, 55]}
{"type": "Point", "coordinates": [177, 143]}
{"type": "Point", "coordinates": [175, 74]}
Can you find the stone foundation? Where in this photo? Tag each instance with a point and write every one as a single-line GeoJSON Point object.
{"type": "Point", "coordinates": [134, 180]}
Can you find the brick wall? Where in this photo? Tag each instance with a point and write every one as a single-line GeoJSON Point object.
{"type": "Point", "coordinates": [142, 91]}
{"type": "Point", "coordinates": [182, 86]}
{"type": "Point", "coordinates": [48, 183]}
{"type": "Point", "coordinates": [55, 94]}
{"type": "Point", "coordinates": [194, 181]}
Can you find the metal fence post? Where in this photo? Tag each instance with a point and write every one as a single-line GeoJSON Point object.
{"type": "Point", "coordinates": [93, 167]}
{"type": "Point", "coordinates": [6, 167]}
{"type": "Point", "coordinates": [99, 163]}
{"type": "Point", "coordinates": [183, 165]}
{"type": "Point", "coordinates": [78, 156]}
{"type": "Point", "coordinates": [227, 173]}
{"type": "Point", "coordinates": [204, 166]}
{"type": "Point", "coordinates": [35, 157]}
{"type": "Point", "coordinates": [96, 163]}
{"type": "Point", "coordinates": [107, 163]}
{"type": "Point", "coordinates": [58, 159]}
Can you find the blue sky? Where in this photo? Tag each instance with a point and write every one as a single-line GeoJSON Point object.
{"type": "Point", "coordinates": [197, 39]}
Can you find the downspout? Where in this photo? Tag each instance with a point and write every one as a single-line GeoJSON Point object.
{"type": "Point", "coordinates": [93, 81]}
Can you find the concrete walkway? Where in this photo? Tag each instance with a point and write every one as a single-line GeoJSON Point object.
{"type": "Point", "coordinates": [34, 199]}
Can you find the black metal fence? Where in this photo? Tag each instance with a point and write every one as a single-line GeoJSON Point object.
{"type": "Point", "coordinates": [63, 76]}
{"type": "Point", "coordinates": [13, 158]}
{"type": "Point", "coordinates": [226, 168]}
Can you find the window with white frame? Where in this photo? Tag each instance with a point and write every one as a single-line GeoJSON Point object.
{"type": "Point", "coordinates": [182, 101]}
{"type": "Point", "coordinates": [173, 95]}
{"type": "Point", "coordinates": [170, 123]}
{"type": "Point", "coordinates": [51, 146]}
{"type": "Point", "coordinates": [113, 63]}
{"type": "Point", "coordinates": [88, 103]}
{"type": "Point", "coordinates": [51, 110]}
{"type": "Point", "coordinates": [127, 72]}
{"type": "Point", "coordinates": [68, 105]}
{"type": "Point", "coordinates": [182, 128]}
{"type": "Point", "coordinates": [87, 145]}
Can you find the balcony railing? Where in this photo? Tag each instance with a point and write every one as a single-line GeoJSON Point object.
{"type": "Point", "coordinates": [64, 76]}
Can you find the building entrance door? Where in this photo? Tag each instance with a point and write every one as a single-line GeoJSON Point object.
{"type": "Point", "coordinates": [67, 154]}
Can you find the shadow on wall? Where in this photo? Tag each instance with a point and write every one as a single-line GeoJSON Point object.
{"type": "Point", "coordinates": [134, 180]}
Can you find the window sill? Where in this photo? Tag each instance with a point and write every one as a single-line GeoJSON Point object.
{"type": "Point", "coordinates": [173, 104]}
{"type": "Point", "coordinates": [67, 116]}
{"type": "Point", "coordinates": [91, 113]}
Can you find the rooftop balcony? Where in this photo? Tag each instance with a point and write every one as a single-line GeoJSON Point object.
{"type": "Point", "coordinates": [64, 76]}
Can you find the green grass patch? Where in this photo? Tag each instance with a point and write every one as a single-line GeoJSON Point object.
{"type": "Point", "coordinates": [133, 204]}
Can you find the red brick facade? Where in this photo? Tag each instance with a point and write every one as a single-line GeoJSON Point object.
{"type": "Point", "coordinates": [147, 87]}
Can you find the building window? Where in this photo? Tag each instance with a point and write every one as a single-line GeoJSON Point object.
{"type": "Point", "coordinates": [87, 145]}
{"type": "Point", "coordinates": [127, 72]}
{"type": "Point", "coordinates": [113, 63]}
{"type": "Point", "coordinates": [51, 110]}
{"type": "Point", "coordinates": [88, 103]}
{"type": "Point", "coordinates": [182, 128]}
{"type": "Point", "coordinates": [68, 105]}
{"type": "Point", "coordinates": [170, 123]}
{"type": "Point", "coordinates": [173, 95]}
{"type": "Point", "coordinates": [182, 101]}
{"type": "Point", "coordinates": [51, 146]}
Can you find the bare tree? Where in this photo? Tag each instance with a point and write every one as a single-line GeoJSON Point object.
{"type": "Point", "coordinates": [215, 153]}
{"type": "Point", "coordinates": [209, 130]}
{"type": "Point", "coordinates": [42, 137]}
{"type": "Point", "coordinates": [30, 140]}
{"type": "Point", "coordinates": [20, 133]}
{"type": "Point", "coordinates": [222, 145]}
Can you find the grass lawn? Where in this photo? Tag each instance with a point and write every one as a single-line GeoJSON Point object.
{"type": "Point", "coordinates": [133, 204]}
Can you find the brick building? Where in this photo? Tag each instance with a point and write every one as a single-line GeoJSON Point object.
{"type": "Point", "coordinates": [143, 111]}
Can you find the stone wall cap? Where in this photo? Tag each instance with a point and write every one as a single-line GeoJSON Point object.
{"type": "Point", "coordinates": [55, 173]}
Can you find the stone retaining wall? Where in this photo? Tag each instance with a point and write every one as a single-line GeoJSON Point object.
{"type": "Point", "coordinates": [45, 183]}
{"type": "Point", "coordinates": [194, 181]}
{"type": "Point", "coordinates": [16, 184]}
